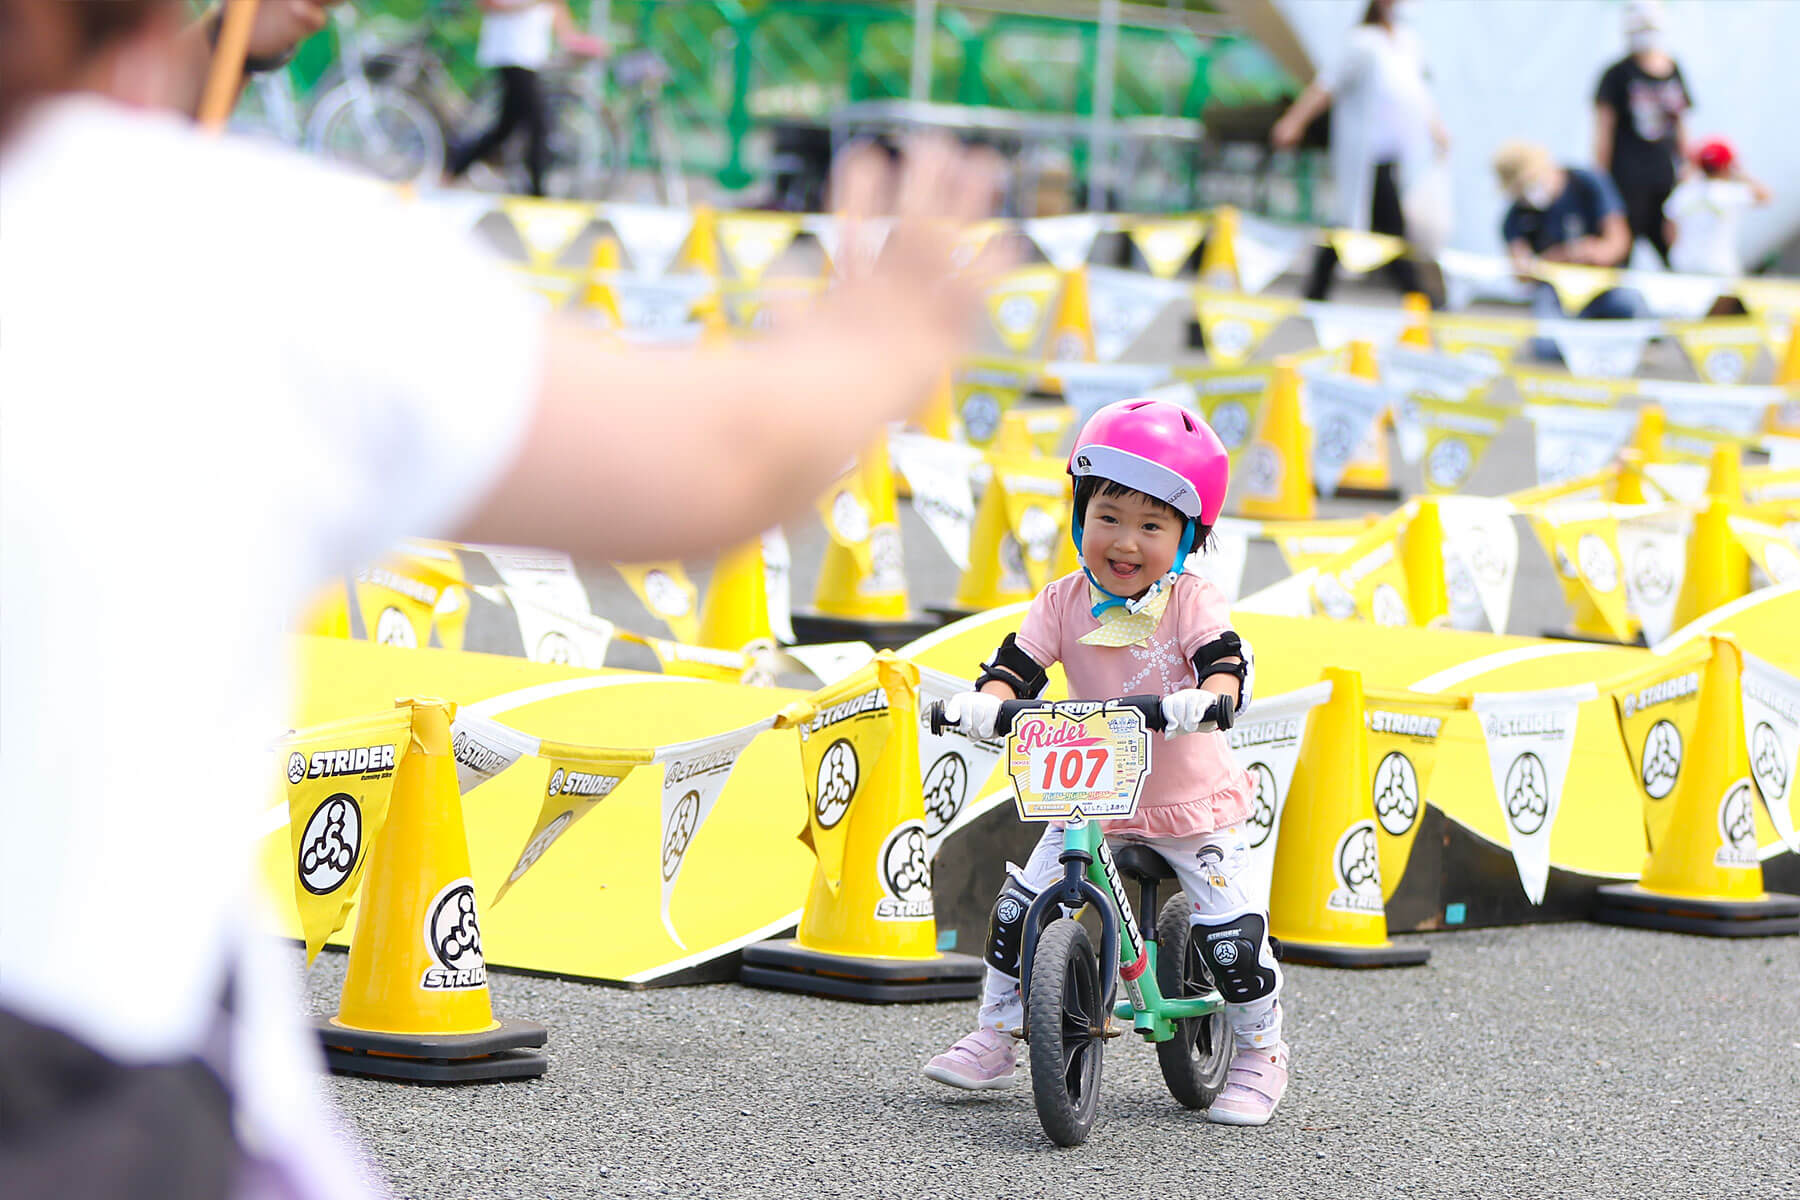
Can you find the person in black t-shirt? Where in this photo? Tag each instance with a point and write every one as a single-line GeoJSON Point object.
{"type": "Point", "coordinates": [1638, 135]}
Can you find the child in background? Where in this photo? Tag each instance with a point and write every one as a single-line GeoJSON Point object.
{"type": "Point", "coordinates": [1703, 212]}
{"type": "Point", "coordinates": [1150, 479]}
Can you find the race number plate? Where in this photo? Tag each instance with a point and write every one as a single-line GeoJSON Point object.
{"type": "Point", "coordinates": [1072, 762]}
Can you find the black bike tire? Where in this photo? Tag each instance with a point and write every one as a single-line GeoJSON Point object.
{"type": "Point", "coordinates": [1065, 1064]}
{"type": "Point", "coordinates": [1195, 1061]}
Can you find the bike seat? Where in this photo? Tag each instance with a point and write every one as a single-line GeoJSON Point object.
{"type": "Point", "coordinates": [1141, 863]}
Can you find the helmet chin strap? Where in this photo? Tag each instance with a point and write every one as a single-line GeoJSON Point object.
{"type": "Point", "coordinates": [1186, 548]}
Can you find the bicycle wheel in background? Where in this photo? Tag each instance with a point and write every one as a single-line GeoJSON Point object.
{"type": "Point", "coordinates": [1065, 1023]}
{"type": "Point", "coordinates": [1195, 1060]}
{"type": "Point", "coordinates": [381, 129]}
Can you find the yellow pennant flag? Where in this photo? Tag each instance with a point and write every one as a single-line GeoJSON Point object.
{"type": "Point", "coordinates": [1234, 326]}
{"type": "Point", "coordinates": [1166, 244]}
{"type": "Point", "coordinates": [1491, 341]}
{"type": "Point", "coordinates": [667, 592]}
{"type": "Point", "coordinates": [578, 781]}
{"type": "Point", "coordinates": [1366, 581]}
{"type": "Point", "coordinates": [984, 391]}
{"type": "Point", "coordinates": [546, 228]}
{"type": "Point", "coordinates": [754, 240]}
{"type": "Point", "coordinates": [340, 778]}
{"type": "Point", "coordinates": [1403, 746]}
{"type": "Point", "coordinates": [1657, 714]}
{"type": "Point", "coordinates": [1722, 351]}
{"type": "Point", "coordinates": [971, 240]}
{"type": "Point", "coordinates": [1232, 400]}
{"type": "Point", "coordinates": [1584, 545]}
{"type": "Point", "coordinates": [1769, 548]}
{"type": "Point", "coordinates": [843, 731]}
{"type": "Point", "coordinates": [1037, 510]}
{"type": "Point", "coordinates": [1457, 434]}
{"type": "Point", "coordinates": [847, 510]}
{"type": "Point", "coordinates": [1019, 304]}
{"type": "Point", "coordinates": [1576, 285]}
{"type": "Point", "coordinates": [398, 600]}
{"type": "Point", "coordinates": [1776, 303]}
{"type": "Point", "coordinates": [1360, 252]}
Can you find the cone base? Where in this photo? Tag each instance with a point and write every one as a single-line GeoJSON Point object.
{"type": "Point", "coordinates": [508, 1052]}
{"type": "Point", "coordinates": [785, 965]}
{"type": "Point", "coordinates": [1333, 954]}
{"type": "Point", "coordinates": [881, 633]}
{"type": "Point", "coordinates": [1776, 915]}
{"type": "Point", "coordinates": [1594, 639]}
{"type": "Point", "coordinates": [1366, 491]}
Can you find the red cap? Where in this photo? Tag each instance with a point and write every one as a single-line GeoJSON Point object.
{"type": "Point", "coordinates": [1714, 155]}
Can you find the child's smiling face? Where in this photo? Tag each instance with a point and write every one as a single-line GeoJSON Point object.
{"type": "Point", "coordinates": [1129, 542]}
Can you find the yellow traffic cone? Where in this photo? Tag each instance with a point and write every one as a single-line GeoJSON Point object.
{"type": "Point", "coordinates": [1218, 261]}
{"type": "Point", "coordinates": [1325, 902]}
{"type": "Point", "coordinates": [1422, 559]}
{"type": "Point", "coordinates": [1277, 466]}
{"type": "Point", "coordinates": [1418, 330]}
{"type": "Point", "coordinates": [861, 595]}
{"type": "Point", "coordinates": [869, 930]}
{"type": "Point", "coordinates": [1628, 485]}
{"type": "Point", "coordinates": [1370, 471]}
{"type": "Point", "coordinates": [415, 1002]}
{"type": "Point", "coordinates": [1718, 568]}
{"type": "Point", "coordinates": [1071, 337]}
{"type": "Point", "coordinates": [599, 294]}
{"type": "Point", "coordinates": [1788, 373]}
{"type": "Point", "coordinates": [1704, 875]}
{"type": "Point", "coordinates": [1008, 560]}
{"type": "Point", "coordinates": [1726, 478]}
{"type": "Point", "coordinates": [736, 610]}
{"type": "Point", "coordinates": [1647, 439]}
{"type": "Point", "coordinates": [701, 253]}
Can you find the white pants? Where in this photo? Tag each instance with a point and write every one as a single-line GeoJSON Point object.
{"type": "Point", "coordinates": [1208, 867]}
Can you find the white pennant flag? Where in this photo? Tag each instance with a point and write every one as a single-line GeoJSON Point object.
{"type": "Point", "coordinates": [484, 748]}
{"type": "Point", "coordinates": [546, 577]}
{"type": "Point", "coordinates": [1572, 442]}
{"type": "Point", "coordinates": [694, 773]}
{"type": "Point", "coordinates": [1735, 409]}
{"type": "Point", "coordinates": [870, 236]}
{"type": "Point", "coordinates": [662, 307]}
{"type": "Point", "coordinates": [651, 234]}
{"type": "Point", "coordinates": [1481, 559]}
{"type": "Point", "coordinates": [1122, 304]}
{"type": "Point", "coordinates": [1066, 241]}
{"type": "Point", "coordinates": [1653, 551]}
{"type": "Point", "coordinates": [1683, 297]}
{"type": "Point", "coordinates": [938, 473]}
{"type": "Point", "coordinates": [1223, 565]}
{"type": "Point", "coordinates": [1470, 277]}
{"type": "Point", "coordinates": [1089, 387]}
{"type": "Point", "coordinates": [1530, 736]}
{"type": "Point", "coordinates": [778, 563]}
{"type": "Point", "coordinates": [1415, 372]}
{"type": "Point", "coordinates": [1604, 349]}
{"type": "Point", "coordinates": [1341, 410]}
{"type": "Point", "coordinates": [1266, 739]}
{"type": "Point", "coordinates": [1264, 250]}
{"type": "Point", "coordinates": [551, 606]}
{"type": "Point", "coordinates": [1337, 325]}
{"type": "Point", "coordinates": [952, 764]}
{"type": "Point", "coordinates": [1772, 735]}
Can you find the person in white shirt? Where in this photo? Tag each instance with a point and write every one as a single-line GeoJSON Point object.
{"type": "Point", "coordinates": [1704, 210]}
{"type": "Point", "coordinates": [516, 41]}
{"type": "Point", "coordinates": [224, 362]}
{"type": "Point", "coordinates": [1383, 138]}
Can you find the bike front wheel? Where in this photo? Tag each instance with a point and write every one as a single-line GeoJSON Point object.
{"type": "Point", "coordinates": [1065, 1022]}
{"type": "Point", "coordinates": [380, 129]}
{"type": "Point", "coordinates": [1194, 1062]}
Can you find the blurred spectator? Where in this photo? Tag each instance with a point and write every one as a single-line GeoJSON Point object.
{"type": "Point", "coordinates": [1638, 136]}
{"type": "Point", "coordinates": [515, 41]}
{"type": "Point", "coordinates": [1703, 212]}
{"type": "Point", "coordinates": [1382, 138]}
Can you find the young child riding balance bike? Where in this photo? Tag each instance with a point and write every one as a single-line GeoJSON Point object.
{"type": "Point", "coordinates": [1150, 479]}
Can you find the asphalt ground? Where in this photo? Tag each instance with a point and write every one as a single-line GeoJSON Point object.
{"type": "Point", "coordinates": [1539, 1061]}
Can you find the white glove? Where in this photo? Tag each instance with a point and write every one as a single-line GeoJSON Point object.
{"type": "Point", "coordinates": [975, 713]}
{"type": "Point", "coordinates": [1191, 710]}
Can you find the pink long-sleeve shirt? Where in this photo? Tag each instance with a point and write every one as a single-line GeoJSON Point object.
{"type": "Point", "coordinates": [1195, 784]}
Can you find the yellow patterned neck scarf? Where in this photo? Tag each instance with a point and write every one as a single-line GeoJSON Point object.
{"type": "Point", "coordinates": [1121, 627]}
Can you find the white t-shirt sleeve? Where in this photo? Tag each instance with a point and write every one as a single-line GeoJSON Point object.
{"type": "Point", "coordinates": [1351, 65]}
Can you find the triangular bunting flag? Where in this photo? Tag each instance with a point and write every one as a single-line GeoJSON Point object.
{"type": "Point", "coordinates": [983, 390]}
{"type": "Point", "coordinates": [1223, 564]}
{"type": "Point", "coordinates": [694, 776]}
{"type": "Point", "coordinates": [1067, 240]}
{"type": "Point", "coordinates": [1489, 342]}
{"type": "Point", "coordinates": [1653, 552]}
{"type": "Point", "coordinates": [1404, 737]}
{"type": "Point", "coordinates": [1457, 435]}
{"type": "Point", "coordinates": [1089, 387]}
{"type": "Point", "coordinates": [1574, 441]}
{"type": "Point", "coordinates": [1232, 400]}
{"type": "Point", "coordinates": [1545, 387]}
{"type": "Point", "coordinates": [1167, 244]}
{"type": "Point", "coordinates": [546, 227]}
{"type": "Point", "coordinates": [1530, 736]}
{"type": "Point", "coordinates": [1360, 252]}
{"type": "Point", "coordinates": [1121, 306]}
{"type": "Point", "coordinates": [1776, 303]}
{"type": "Point", "coordinates": [1266, 739]}
{"type": "Point", "coordinates": [1611, 349]}
{"type": "Point", "coordinates": [842, 738]}
{"type": "Point", "coordinates": [484, 748]}
{"type": "Point", "coordinates": [1576, 285]}
{"type": "Point", "coordinates": [1722, 351]}
{"type": "Point", "coordinates": [1341, 410]}
{"type": "Point", "coordinates": [1234, 326]}
{"type": "Point", "coordinates": [1681, 297]}
{"type": "Point", "coordinates": [1735, 410]}
{"type": "Point", "coordinates": [651, 235]}
{"type": "Point", "coordinates": [1583, 543]}
{"type": "Point", "coordinates": [1771, 699]}
{"type": "Point", "coordinates": [938, 473]}
{"type": "Point", "coordinates": [869, 237]}
{"type": "Point", "coordinates": [953, 766]}
{"type": "Point", "coordinates": [1265, 249]}
{"type": "Point", "coordinates": [667, 594]}
{"type": "Point", "coordinates": [753, 241]}
{"type": "Point", "coordinates": [578, 781]}
{"type": "Point", "coordinates": [1657, 714]}
{"type": "Point", "coordinates": [658, 306]}
{"type": "Point", "coordinates": [1481, 559]}
{"type": "Point", "coordinates": [1337, 325]}
{"type": "Point", "coordinates": [1769, 548]}
{"type": "Point", "coordinates": [1019, 304]}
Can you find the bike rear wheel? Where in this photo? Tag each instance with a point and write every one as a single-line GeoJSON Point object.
{"type": "Point", "coordinates": [1065, 1019]}
{"type": "Point", "coordinates": [389, 133]}
{"type": "Point", "coordinates": [1194, 1062]}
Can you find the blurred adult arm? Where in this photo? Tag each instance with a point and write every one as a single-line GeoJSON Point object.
{"type": "Point", "coordinates": [1606, 122]}
{"type": "Point", "coordinates": [1288, 131]}
{"type": "Point", "coordinates": [636, 454]}
{"type": "Point", "coordinates": [279, 28]}
{"type": "Point", "coordinates": [578, 40]}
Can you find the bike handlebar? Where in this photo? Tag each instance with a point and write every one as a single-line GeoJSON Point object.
{"type": "Point", "coordinates": [1150, 707]}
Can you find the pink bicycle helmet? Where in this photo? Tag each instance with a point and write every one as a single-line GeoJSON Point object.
{"type": "Point", "coordinates": [1159, 448]}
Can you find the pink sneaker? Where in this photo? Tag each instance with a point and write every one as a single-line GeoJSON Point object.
{"type": "Point", "coordinates": [1253, 1087]}
{"type": "Point", "coordinates": [984, 1059]}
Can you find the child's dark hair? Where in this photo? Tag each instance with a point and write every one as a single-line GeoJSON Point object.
{"type": "Point", "coordinates": [1089, 486]}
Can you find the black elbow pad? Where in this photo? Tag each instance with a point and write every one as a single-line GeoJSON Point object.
{"type": "Point", "coordinates": [1016, 669]}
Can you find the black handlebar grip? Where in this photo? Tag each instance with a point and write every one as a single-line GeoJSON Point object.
{"type": "Point", "coordinates": [934, 713]}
